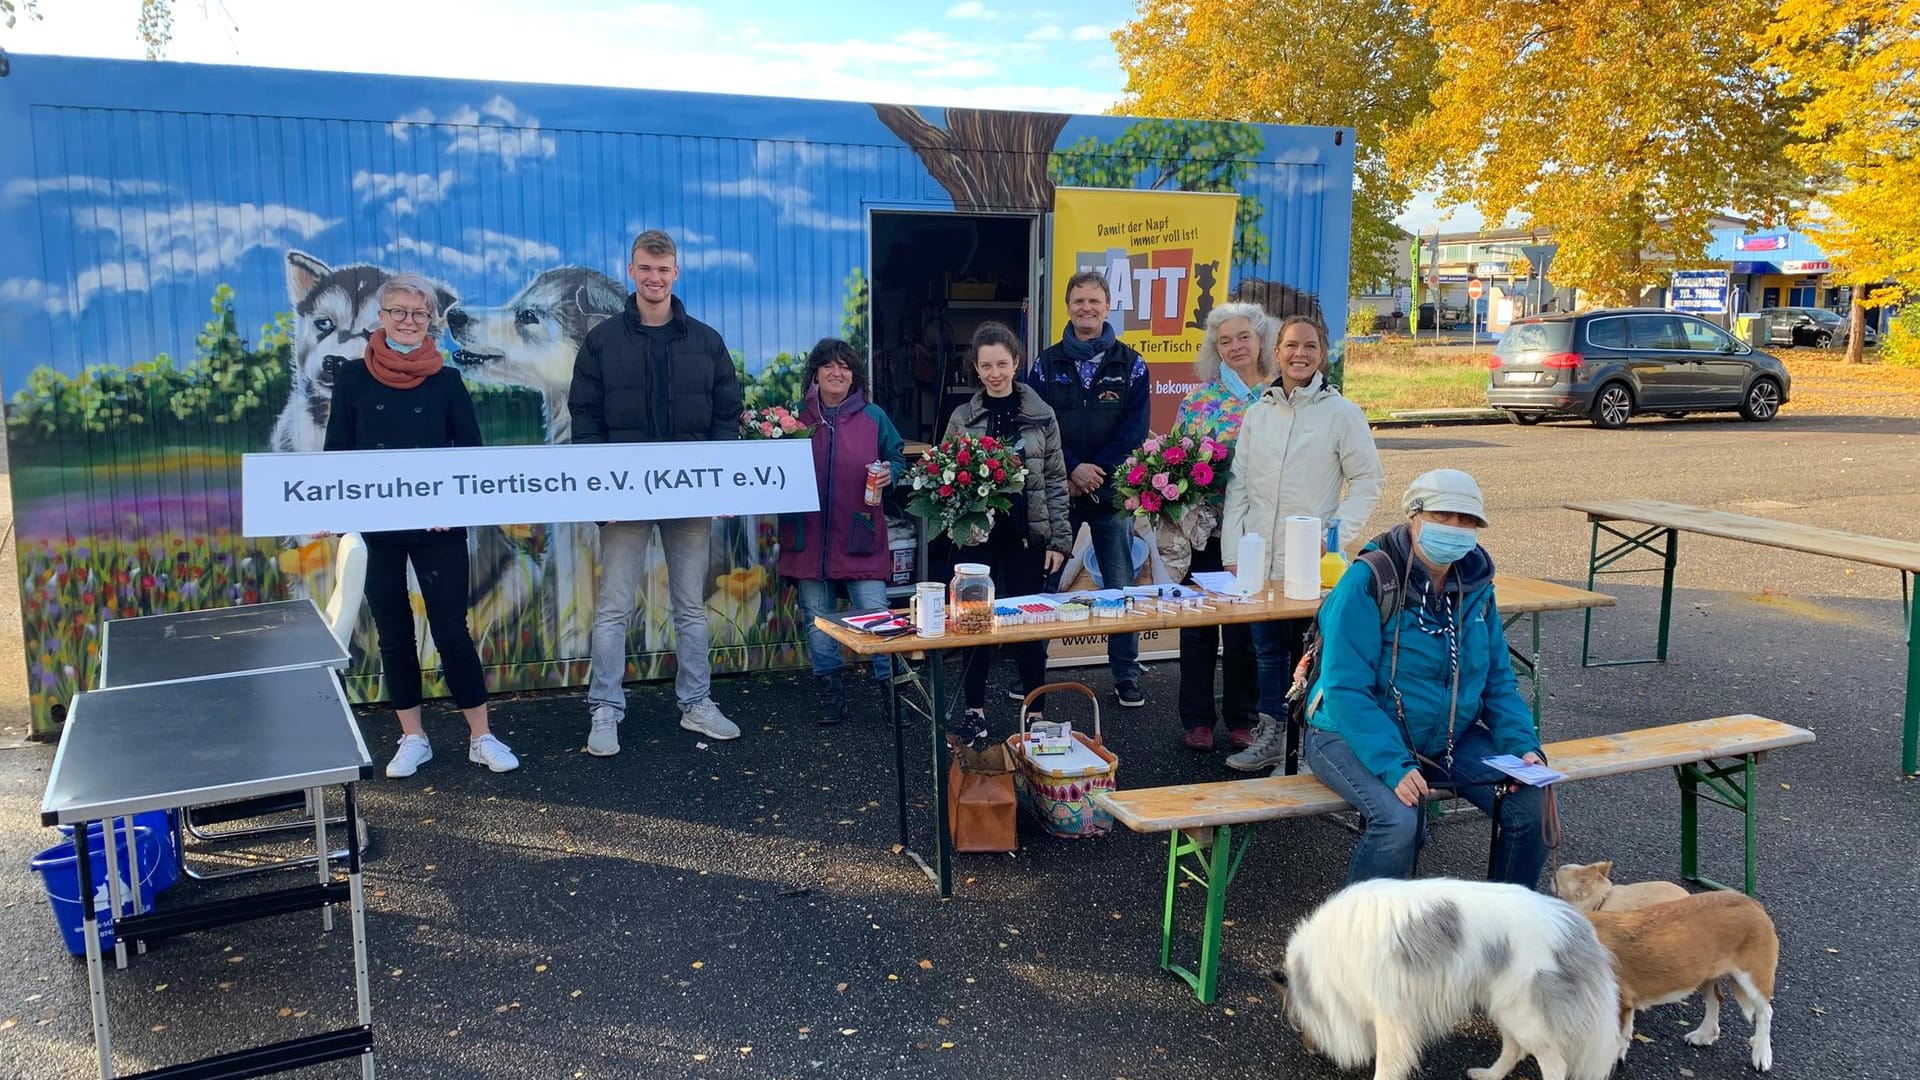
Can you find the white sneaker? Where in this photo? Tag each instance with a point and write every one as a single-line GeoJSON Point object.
{"type": "Point", "coordinates": [491, 752]}
{"type": "Point", "coordinates": [414, 752]}
{"type": "Point", "coordinates": [706, 718]}
{"type": "Point", "coordinates": [604, 739]}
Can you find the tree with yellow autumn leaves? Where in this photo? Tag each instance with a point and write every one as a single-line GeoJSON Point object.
{"type": "Point", "coordinates": [1855, 65]}
{"type": "Point", "coordinates": [1619, 126]}
{"type": "Point", "coordinates": [1364, 64]}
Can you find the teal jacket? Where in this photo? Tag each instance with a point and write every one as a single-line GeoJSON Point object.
{"type": "Point", "coordinates": [1352, 698]}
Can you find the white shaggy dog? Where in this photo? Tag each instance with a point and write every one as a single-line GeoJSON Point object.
{"type": "Point", "coordinates": [1385, 966]}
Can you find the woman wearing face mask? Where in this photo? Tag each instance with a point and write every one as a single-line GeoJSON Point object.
{"type": "Point", "coordinates": [403, 396]}
{"type": "Point", "coordinates": [1425, 696]}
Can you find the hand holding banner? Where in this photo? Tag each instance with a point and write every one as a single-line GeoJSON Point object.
{"type": "Point", "coordinates": [286, 494]}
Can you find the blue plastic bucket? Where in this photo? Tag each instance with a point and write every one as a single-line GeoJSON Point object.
{"type": "Point", "coordinates": [167, 869]}
{"type": "Point", "coordinates": [58, 872]}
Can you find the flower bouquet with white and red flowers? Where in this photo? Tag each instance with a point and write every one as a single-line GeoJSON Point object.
{"type": "Point", "coordinates": [773, 422]}
{"type": "Point", "coordinates": [1171, 481]}
{"type": "Point", "coordinates": [960, 484]}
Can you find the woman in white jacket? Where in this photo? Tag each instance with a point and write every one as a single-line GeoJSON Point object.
{"type": "Point", "coordinates": [1303, 449]}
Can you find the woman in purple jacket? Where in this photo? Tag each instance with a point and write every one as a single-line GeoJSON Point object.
{"type": "Point", "coordinates": [844, 544]}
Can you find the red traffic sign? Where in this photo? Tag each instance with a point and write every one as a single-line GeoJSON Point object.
{"type": "Point", "coordinates": [1475, 289]}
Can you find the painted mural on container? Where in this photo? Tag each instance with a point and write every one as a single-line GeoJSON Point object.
{"type": "Point", "coordinates": [188, 254]}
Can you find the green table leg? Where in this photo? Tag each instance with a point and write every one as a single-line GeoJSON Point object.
{"type": "Point", "coordinates": [1728, 784]}
{"type": "Point", "coordinates": [942, 839]}
{"type": "Point", "coordinates": [1910, 733]}
{"type": "Point", "coordinates": [1214, 865]}
{"type": "Point", "coordinates": [1599, 562]}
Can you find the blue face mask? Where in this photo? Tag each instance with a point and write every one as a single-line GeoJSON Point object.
{"type": "Point", "coordinates": [400, 348]}
{"type": "Point", "coordinates": [1444, 545]}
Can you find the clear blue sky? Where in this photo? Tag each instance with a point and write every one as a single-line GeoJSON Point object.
{"type": "Point", "coordinates": [1017, 54]}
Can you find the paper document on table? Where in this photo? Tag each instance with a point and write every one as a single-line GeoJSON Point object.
{"type": "Point", "coordinates": [1525, 772]}
{"type": "Point", "coordinates": [1219, 581]}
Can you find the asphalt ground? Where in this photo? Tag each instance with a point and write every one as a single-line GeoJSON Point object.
{"type": "Point", "coordinates": [735, 911]}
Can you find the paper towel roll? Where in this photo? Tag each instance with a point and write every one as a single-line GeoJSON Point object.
{"type": "Point", "coordinates": [1302, 555]}
{"type": "Point", "coordinates": [1252, 576]}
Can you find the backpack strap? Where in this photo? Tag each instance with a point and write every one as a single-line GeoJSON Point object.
{"type": "Point", "coordinates": [1386, 582]}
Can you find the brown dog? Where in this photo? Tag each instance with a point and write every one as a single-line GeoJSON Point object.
{"type": "Point", "coordinates": [1591, 888]}
{"type": "Point", "coordinates": [1664, 953]}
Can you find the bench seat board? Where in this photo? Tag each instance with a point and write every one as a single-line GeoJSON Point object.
{"type": "Point", "coordinates": [1271, 798]}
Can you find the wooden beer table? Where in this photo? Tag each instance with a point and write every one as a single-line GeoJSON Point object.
{"type": "Point", "coordinates": [1514, 596]}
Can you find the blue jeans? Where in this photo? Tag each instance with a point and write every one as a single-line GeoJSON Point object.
{"type": "Point", "coordinates": [1392, 832]}
{"type": "Point", "coordinates": [623, 561]}
{"type": "Point", "coordinates": [1113, 548]}
{"type": "Point", "coordinates": [818, 599]}
{"type": "Point", "coordinates": [1276, 649]}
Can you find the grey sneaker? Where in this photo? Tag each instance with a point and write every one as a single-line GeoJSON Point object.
{"type": "Point", "coordinates": [604, 739]}
{"type": "Point", "coordinates": [1269, 747]}
{"type": "Point", "coordinates": [706, 718]}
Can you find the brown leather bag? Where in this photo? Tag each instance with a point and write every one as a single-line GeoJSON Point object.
{"type": "Point", "coordinates": [980, 799]}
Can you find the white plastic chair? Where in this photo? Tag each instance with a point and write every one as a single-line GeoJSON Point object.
{"type": "Point", "coordinates": [349, 588]}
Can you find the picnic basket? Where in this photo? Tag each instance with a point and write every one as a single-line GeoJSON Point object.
{"type": "Point", "coordinates": [1060, 793]}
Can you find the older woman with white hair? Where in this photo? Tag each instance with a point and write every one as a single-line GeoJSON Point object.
{"type": "Point", "coordinates": [1235, 362]}
{"type": "Point", "coordinates": [402, 396]}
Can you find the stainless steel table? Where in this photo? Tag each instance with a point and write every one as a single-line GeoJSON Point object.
{"type": "Point", "coordinates": [281, 635]}
{"type": "Point", "coordinates": [166, 745]}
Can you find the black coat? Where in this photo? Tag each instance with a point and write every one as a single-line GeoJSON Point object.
{"type": "Point", "coordinates": [370, 415]}
{"type": "Point", "coordinates": [619, 396]}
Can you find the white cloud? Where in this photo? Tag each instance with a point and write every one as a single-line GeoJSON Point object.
{"type": "Point", "coordinates": [32, 292]}
{"type": "Point", "coordinates": [712, 258]}
{"type": "Point", "coordinates": [793, 201]}
{"type": "Point", "coordinates": [496, 127]}
{"type": "Point", "coordinates": [1049, 32]}
{"type": "Point", "coordinates": [482, 251]}
{"type": "Point", "coordinates": [22, 190]}
{"type": "Point", "coordinates": [970, 9]}
{"type": "Point", "coordinates": [1092, 33]}
{"type": "Point", "coordinates": [158, 245]}
{"type": "Point", "coordinates": [409, 191]}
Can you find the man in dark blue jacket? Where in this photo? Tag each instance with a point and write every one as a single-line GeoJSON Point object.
{"type": "Point", "coordinates": [653, 374]}
{"type": "Point", "coordinates": [1098, 388]}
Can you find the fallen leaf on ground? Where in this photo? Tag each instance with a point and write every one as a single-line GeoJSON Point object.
{"type": "Point", "coordinates": [849, 1031]}
{"type": "Point", "coordinates": [943, 1022]}
{"type": "Point", "coordinates": [397, 972]}
{"type": "Point", "coordinates": [926, 965]}
{"type": "Point", "coordinates": [698, 964]}
{"type": "Point", "coordinates": [576, 993]}
{"type": "Point", "coordinates": [538, 968]}
{"type": "Point", "coordinates": [840, 988]}
{"type": "Point", "coordinates": [946, 1046]}
{"type": "Point", "coordinates": [284, 1012]}
{"type": "Point", "coordinates": [9, 1023]}
{"type": "Point", "coordinates": [1637, 1037]}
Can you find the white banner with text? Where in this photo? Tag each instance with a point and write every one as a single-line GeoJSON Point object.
{"type": "Point", "coordinates": [288, 494]}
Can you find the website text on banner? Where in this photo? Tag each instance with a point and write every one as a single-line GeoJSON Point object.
{"type": "Point", "coordinates": [287, 494]}
{"type": "Point", "coordinates": [1167, 256]}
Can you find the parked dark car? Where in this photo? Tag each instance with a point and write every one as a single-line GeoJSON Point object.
{"type": "Point", "coordinates": [1609, 365]}
{"type": "Point", "coordinates": [1812, 326]}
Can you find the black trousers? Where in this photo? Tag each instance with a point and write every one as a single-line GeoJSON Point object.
{"type": "Point", "coordinates": [1019, 568]}
{"type": "Point", "coordinates": [1240, 689]}
{"type": "Point", "coordinates": [440, 563]}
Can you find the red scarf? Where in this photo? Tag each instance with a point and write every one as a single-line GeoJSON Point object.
{"type": "Point", "coordinates": [402, 370]}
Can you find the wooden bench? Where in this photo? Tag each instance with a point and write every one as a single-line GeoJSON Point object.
{"type": "Point", "coordinates": [1665, 521]}
{"type": "Point", "coordinates": [1201, 820]}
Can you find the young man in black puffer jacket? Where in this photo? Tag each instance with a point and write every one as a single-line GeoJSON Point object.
{"type": "Point", "coordinates": [653, 374]}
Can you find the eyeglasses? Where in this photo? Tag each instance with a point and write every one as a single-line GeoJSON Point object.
{"type": "Point", "coordinates": [400, 314]}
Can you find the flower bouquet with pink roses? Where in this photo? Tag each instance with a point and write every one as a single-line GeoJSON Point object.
{"type": "Point", "coordinates": [1171, 482]}
{"type": "Point", "coordinates": [773, 422]}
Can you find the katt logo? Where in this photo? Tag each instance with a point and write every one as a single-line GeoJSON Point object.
{"type": "Point", "coordinates": [1150, 288]}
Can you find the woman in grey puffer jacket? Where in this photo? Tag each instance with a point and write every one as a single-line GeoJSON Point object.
{"type": "Point", "coordinates": [1031, 542]}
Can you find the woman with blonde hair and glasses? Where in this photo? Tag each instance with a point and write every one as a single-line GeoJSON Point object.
{"type": "Point", "coordinates": [402, 396]}
{"type": "Point", "coordinates": [1235, 361]}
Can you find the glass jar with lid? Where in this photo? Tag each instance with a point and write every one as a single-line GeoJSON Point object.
{"type": "Point", "coordinates": [970, 599]}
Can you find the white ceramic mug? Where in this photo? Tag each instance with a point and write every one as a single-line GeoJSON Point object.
{"type": "Point", "coordinates": [928, 609]}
